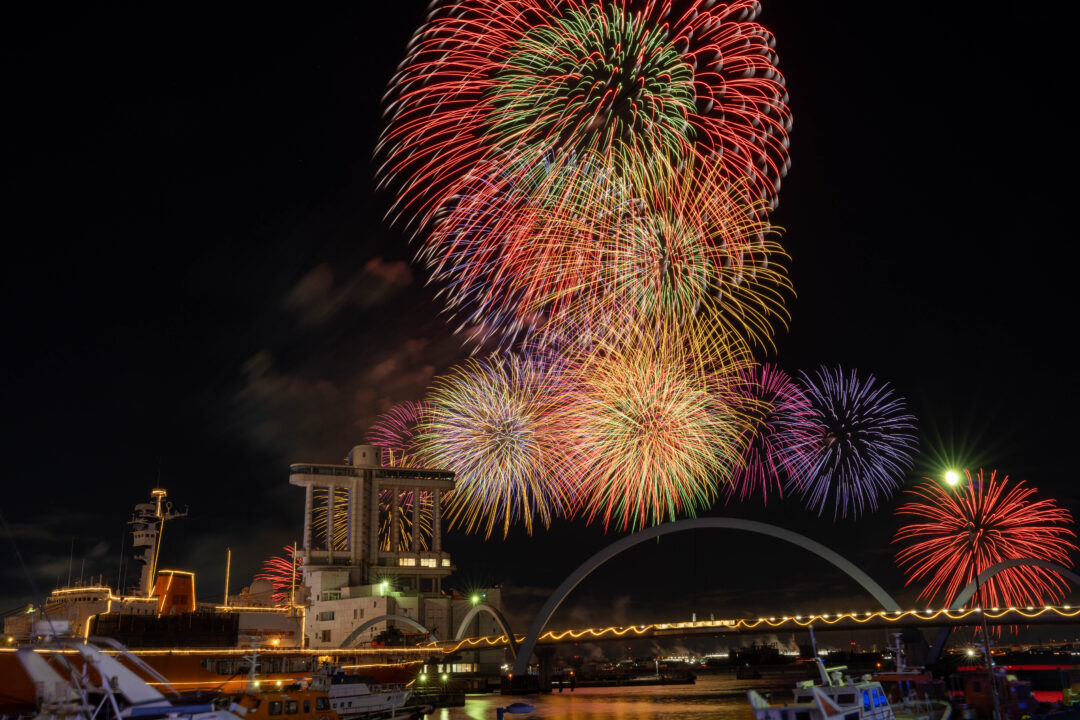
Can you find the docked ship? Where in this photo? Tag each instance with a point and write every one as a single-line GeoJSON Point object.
{"type": "Point", "coordinates": [367, 568]}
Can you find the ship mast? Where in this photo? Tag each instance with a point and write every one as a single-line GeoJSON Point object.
{"type": "Point", "coordinates": [148, 525]}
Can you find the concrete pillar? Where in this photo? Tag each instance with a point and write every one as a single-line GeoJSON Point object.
{"type": "Point", "coordinates": [356, 533]}
{"type": "Point", "coordinates": [395, 516]}
{"type": "Point", "coordinates": [372, 495]}
{"type": "Point", "coordinates": [436, 521]}
{"type": "Point", "coordinates": [331, 498]}
{"type": "Point", "coordinates": [415, 544]}
{"type": "Point", "coordinates": [307, 517]}
{"type": "Point", "coordinates": [544, 655]}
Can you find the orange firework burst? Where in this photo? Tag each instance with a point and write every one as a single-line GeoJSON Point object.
{"type": "Point", "coordinates": [654, 421]}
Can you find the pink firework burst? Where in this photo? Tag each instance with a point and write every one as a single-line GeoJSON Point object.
{"type": "Point", "coordinates": [784, 434]}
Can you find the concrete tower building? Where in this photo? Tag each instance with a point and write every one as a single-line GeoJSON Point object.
{"type": "Point", "coordinates": [365, 556]}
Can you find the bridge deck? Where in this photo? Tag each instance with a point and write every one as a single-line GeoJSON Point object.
{"type": "Point", "coordinates": [1065, 615]}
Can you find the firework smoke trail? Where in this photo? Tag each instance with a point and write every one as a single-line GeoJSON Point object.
{"type": "Point", "coordinates": [867, 442]}
{"type": "Point", "coordinates": [956, 533]}
{"type": "Point", "coordinates": [489, 423]}
{"type": "Point", "coordinates": [506, 118]}
{"type": "Point", "coordinates": [653, 424]}
{"type": "Point", "coordinates": [781, 438]}
{"type": "Point", "coordinates": [280, 571]}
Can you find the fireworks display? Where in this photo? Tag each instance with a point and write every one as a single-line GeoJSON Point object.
{"type": "Point", "coordinates": [284, 574]}
{"type": "Point", "coordinates": [867, 442]}
{"type": "Point", "coordinates": [955, 533]}
{"type": "Point", "coordinates": [652, 426]}
{"type": "Point", "coordinates": [321, 512]}
{"type": "Point", "coordinates": [522, 137]}
{"type": "Point", "coordinates": [490, 424]}
{"type": "Point", "coordinates": [395, 431]}
{"type": "Point", "coordinates": [643, 85]}
{"type": "Point", "coordinates": [780, 441]}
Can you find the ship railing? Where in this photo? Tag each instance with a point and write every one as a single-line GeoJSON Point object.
{"type": "Point", "coordinates": [932, 708]}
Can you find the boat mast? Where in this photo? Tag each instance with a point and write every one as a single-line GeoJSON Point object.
{"type": "Point", "coordinates": [147, 523]}
{"type": "Point", "coordinates": [228, 566]}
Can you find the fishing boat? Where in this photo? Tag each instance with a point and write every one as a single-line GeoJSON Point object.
{"type": "Point", "coordinates": [839, 697]}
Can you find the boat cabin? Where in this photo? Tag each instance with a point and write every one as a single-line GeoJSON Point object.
{"type": "Point", "coordinates": [292, 703]}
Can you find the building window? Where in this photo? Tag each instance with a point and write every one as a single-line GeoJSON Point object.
{"type": "Point", "coordinates": [326, 636]}
{"type": "Point", "coordinates": [331, 596]}
{"type": "Point", "coordinates": [407, 562]}
{"type": "Point", "coordinates": [427, 562]}
{"type": "Point", "coordinates": [275, 707]}
{"type": "Point", "coordinates": [292, 707]}
{"type": "Point", "coordinates": [446, 562]}
{"type": "Point", "coordinates": [328, 615]}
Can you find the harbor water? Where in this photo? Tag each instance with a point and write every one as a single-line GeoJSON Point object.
{"type": "Point", "coordinates": [716, 696]}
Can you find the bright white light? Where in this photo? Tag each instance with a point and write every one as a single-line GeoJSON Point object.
{"type": "Point", "coordinates": [952, 477]}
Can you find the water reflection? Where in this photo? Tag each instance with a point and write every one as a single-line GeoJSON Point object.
{"type": "Point", "coordinates": [720, 697]}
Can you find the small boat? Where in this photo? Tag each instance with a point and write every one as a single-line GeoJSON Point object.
{"type": "Point", "coordinates": [839, 697]}
{"type": "Point", "coordinates": [357, 697]}
{"type": "Point", "coordinates": [331, 694]}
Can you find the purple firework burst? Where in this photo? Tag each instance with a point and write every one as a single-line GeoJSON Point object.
{"type": "Point", "coordinates": [784, 437]}
{"type": "Point", "coordinates": [866, 440]}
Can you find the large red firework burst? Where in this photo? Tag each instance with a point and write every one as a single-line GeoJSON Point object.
{"type": "Point", "coordinates": [508, 117]}
{"type": "Point", "coordinates": [490, 83]}
{"type": "Point", "coordinates": [959, 532]}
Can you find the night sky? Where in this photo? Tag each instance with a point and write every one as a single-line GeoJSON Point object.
{"type": "Point", "coordinates": [199, 288]}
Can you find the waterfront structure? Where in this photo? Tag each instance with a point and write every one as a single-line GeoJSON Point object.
{"type": "Point", "coordinates": [160, 609]}
{"type": "Point", "coordinates": [357, 585]}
